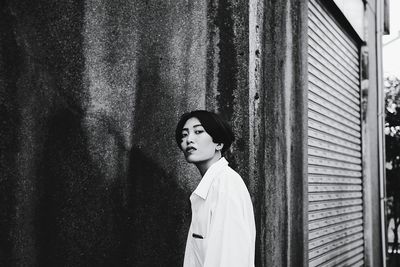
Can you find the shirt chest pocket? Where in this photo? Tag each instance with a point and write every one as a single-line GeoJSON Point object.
{"type": "Point", "coordinates": [201, 223]}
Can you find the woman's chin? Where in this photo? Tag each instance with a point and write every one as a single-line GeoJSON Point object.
{"type": "Point", "coordinates": [190, 159]}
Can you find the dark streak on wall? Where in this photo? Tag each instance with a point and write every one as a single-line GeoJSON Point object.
{"type": "Point", "coordinates": [227, 84]}
{"type": "Point", "coordinates": [227, 75]}
{"type": "Point", "coordinates": [50, 100]}
{"type": "Point", "coordinates": [9, 72]}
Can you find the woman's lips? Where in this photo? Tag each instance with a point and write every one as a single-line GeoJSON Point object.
{"type": "Point", "coordinates": [190, 149]}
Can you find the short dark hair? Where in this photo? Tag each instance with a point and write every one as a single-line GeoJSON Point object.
{"type": "Point", "coordinates": [213, 124]}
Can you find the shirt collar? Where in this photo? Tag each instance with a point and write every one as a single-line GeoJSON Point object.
{"type": "Point", "coordinates": [205, 183]}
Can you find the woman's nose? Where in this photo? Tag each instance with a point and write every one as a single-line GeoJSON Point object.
{"type": "Point", "coordinates": [189, 139]}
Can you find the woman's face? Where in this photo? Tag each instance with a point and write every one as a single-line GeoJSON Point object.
{"type": "Point", "coordinates": [197, 145]}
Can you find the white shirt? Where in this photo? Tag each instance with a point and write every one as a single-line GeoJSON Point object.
{"type": "Point", "coordinates": [222, 232]}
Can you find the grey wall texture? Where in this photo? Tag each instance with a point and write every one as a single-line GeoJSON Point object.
{"type": "Point", "coordinates": [90, 93]}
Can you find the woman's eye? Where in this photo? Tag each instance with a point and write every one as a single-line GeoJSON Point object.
{"type": "Point", "coordinates": [198, 131]}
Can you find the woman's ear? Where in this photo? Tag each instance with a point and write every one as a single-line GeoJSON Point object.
{"type": "Point", "coordinates": [219, 146]}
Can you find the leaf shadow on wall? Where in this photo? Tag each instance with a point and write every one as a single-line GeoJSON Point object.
{"type": "Point", "coordinates": [79, 220]}
{"type": "Point", "coordinates": [160, 209]}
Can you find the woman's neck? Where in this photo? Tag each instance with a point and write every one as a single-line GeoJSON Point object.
{"type": "Point", "coordinates": [205, 165]}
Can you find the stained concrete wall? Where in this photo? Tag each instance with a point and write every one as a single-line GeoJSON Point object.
{"type": "Point", "coordinates": [282, 147]}
{"type": "Point", "coordinates": [90, 93]}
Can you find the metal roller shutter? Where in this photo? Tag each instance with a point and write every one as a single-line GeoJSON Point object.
{"type": "Point", "coordinates": [335, 216]}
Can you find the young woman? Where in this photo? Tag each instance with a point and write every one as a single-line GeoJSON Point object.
{"type": "Point", "coordinates": [222, 231]}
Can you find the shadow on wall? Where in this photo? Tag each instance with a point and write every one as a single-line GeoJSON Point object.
{"type": "Point", "coordinates": [9, 118]}
{"type": "Point", "coordinates": [160, 209]}
{"type": "Point", "coordinates": [77, 216]}
{"type": "Point", "coordinates": [83, 220]}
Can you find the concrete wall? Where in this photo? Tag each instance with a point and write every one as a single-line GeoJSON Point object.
{"type": "Point", "coordinates": [283, 135]}
{"type": "Point", "coordinates": [90, 93]}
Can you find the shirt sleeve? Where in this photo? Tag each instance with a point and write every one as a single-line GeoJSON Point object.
{"type": "Point", "coordinates": [231, 236]}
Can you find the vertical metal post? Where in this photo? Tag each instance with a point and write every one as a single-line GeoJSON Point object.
{"type": "Point", "coordinates": [381, 121]}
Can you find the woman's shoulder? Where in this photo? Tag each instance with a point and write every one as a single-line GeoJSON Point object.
{"type": "Point", "coordinates": [230, 178]}
{"type": "Point", "coordinates": [230, 185]}
{"type": "Point", "coordinates": [231, 172]}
